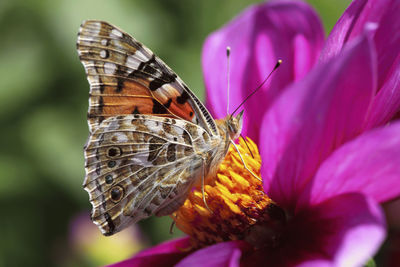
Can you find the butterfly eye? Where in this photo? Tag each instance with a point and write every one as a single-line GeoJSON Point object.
{"type": "Point", "coordinates": [116, 193]}
{"type": "Point", "coordinates": [114, 152]}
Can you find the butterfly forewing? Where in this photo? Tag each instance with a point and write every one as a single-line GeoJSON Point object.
{"type": "Point", "coordinates": [127, 78]}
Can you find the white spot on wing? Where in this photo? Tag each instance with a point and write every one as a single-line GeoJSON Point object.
{"type": "Point", "coordinates": [141, 159]}
{"type": "Point", "coordinates": [120, 137]}
{"type": "Point", "coordinates": [109, 68]}
{"type": "Point", "coordinates": [167, 91]}
{"type": "Point", "coordinates": [152, 125]}
{"type": "Point", "coordinates": [104, 42]}
{"type": "Point", "coordinates": [132, 62]}
{"type": "Point", "coordinates": [179, 131]}
{"type": "Point", "coordinates": [113, 125]}
{"type": "Point", "coordinates": [116, 33]}
{"type": "Point", "coordinates": [142, 57]}
{"type": "Point", "coordinates": [94, 28]}
{"type": "Point", "coordinates": [103, 53]}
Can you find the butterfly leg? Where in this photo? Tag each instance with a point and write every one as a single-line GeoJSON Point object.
{"type": "Point", "coordinates": [171, 228]}
{"type": "Point", "coordinates": [202, 185]}
{"type": "Point", "coordinates": [244, 164]}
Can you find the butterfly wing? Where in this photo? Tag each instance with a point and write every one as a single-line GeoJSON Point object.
{"type": "Point", "coordinates": [140, 165]}
{"type": "Point", "coordinates": [147, 130]}
{"type": "Point", "coordinates": [127, 78]}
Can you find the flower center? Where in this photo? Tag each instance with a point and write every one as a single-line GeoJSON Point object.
{"type": "Point", "coordinates": [238, 207]}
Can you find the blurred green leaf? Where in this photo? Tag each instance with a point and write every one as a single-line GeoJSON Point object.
{"type": "Point", "coordinates": [54, 140]}
{"type": "Point", "coordinates": [370, 263]}
{"type": "Point", "coordinates": [16, 176]}
{"type": "Point", "coordinates": [26, 81]}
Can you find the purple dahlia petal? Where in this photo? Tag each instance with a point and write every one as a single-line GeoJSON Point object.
{"type": "Point", "coordinates": [369, 164]}
{"type": "Point", "coordinates": [165, 254]}
{"type": "Point", "coordinates": [352, 24]}
{"type": "Point", "coordinates": [262, 34]}
{"type": "Point", "coordinates": [384, 13]}
{"type": "Point", "coordinates": [387, 39]}
{"type": "Point", "coordinates": [386, 103]}
{"type": "Point", "coordinates": [221, 254]}
{"type": "Point", "coordinates": [315, 263]}
{"type": "Point", "coordinates": [313, 117]}
{"type": "Point", "coordinates": [345, 230]}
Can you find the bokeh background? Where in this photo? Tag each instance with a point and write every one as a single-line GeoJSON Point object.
{"type": "Point", "coordinates": [44, 218]}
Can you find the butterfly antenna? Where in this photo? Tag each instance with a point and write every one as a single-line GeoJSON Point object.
{"type": "Point", "coordinates": [228, 53]}
{"type": "Point", "coordinates": [258, 88]}
{"type": "Point", "coordinates": [251, 153]}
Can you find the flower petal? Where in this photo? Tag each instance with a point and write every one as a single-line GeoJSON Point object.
{"type": "Point", "coordinates": [369, 164]}
{"type": "Point", "coordinates": [221, 254]}
{"type": "Point", "coordinates": [352, 24]}
{"type": "Point", "coordinates": [165, 254]}
{"type": "Point", "coordinates": [386, 103]}
{"type": "Point", "coordinates": [382, 13]}
{"type": "Point", "coordinates": [258, 37]}
{"type": "Point", "coordinates": [346, 230]}
{"type": "Point", "coordinates": [387, 39]}
{"type": "Point", "coordinates": [313, 117]}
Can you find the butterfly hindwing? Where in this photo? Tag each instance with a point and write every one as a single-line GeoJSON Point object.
{"type": "Point", "coordinates": [140, 165]}
{"type": "Point", "coordinates": [127, 78]}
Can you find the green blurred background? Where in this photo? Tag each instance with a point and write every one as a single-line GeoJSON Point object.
{"type": "Point", "coordinates": [44, 99]}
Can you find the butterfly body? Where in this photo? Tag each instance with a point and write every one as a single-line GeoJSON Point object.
{"type": "Point", "coordinates": [151, 140]}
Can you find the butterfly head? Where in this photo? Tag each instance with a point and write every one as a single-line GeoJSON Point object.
{"type": "Point", "coordinates": [235, 124]}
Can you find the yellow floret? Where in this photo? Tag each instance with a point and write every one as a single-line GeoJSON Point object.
{"type": "Point", "coordinates": [235, 197]}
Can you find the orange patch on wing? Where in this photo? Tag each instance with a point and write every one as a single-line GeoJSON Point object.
{"type": "Point", "coordinates": [184, 111]}
{"type": "Point", "coordinates": [118, 105]}
{"type": "Point", "coordinates": [139, 87]}
{"type": "Point", "coordinates": [169, 94]}
{"type": "Point", "coordinates": [135, 97]}
{"type": "Point", "coordinates": [128, 88]}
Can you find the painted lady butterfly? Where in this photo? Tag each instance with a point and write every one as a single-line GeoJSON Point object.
{"type": "Point", "coordinates": [151, 139]}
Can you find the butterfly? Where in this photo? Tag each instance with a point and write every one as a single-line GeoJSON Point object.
{"type": "Point", "coordinates": [151, 139]}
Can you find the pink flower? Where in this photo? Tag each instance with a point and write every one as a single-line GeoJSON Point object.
{"type": "Point", "coordinates": [326, 127]}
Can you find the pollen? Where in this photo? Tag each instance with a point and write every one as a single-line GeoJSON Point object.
{"type": "Point", "coordinates": [235, 199]}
